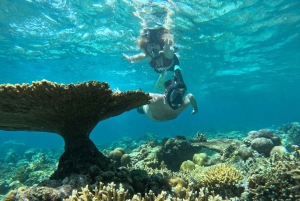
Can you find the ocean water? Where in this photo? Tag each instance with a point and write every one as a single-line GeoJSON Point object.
{"type": "Point", "coordinates": [240, 59]}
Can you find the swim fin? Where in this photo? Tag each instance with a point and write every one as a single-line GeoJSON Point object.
{"type": "Point", "coordinates": [159, 86]}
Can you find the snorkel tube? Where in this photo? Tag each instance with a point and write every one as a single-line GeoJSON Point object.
{"type": "Point", "coordinates": [175, 90]}
{"type": "Point", "coordinates": [154, 54]}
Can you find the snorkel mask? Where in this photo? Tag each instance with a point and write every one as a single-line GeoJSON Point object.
{"type": "Point", "coordinates": [153, 50]}
{"type": "Point", "coordinates": [176, 97]}
{"type": "Point", "coordinates": [154, 45]}
{"type": "Point", "coordinates": [174, 94]}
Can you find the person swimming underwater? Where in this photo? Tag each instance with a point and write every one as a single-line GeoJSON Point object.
{"type": "Point", "coordinates": [157, 47]}
{"type": "Point", "coordinates": [172, 103]}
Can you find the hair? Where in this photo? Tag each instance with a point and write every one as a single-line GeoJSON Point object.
{"type": "Point", "coordinates": [154, 35]}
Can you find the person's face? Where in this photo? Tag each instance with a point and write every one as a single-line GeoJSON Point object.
{"type": "Point", "coordinates": [153, 50]}
{"type": "Point", "coordinates": [177, 96]}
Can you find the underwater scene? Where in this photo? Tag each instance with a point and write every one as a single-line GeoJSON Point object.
{"type": "Point", "coordinates": [149, 100]}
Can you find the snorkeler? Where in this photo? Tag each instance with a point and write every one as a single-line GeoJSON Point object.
{"type": "Point", "coordinates": [168, 106]}
{"type": "Point", "coordinates": [156, 45]}
{"type": "Point", "coordinates": [158, 110]}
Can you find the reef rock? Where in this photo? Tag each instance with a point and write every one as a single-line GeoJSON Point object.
{"type": "Point", "coordinates": [72, 111]}
{"type": "Point", "coordinates": [175, 151]}
{"type": "Point", "coordinates": [262, 145]}
{"type": "Point", "coordinates": [218, 145]}
{"type": "Point", "coordinates": [35, 194]}
{"type": "Point", "coordinates": [245, 152]}
{"type": "Point", "coordinates": [264, 133]}
{"type": "Point", "coordinates": [292, 134]}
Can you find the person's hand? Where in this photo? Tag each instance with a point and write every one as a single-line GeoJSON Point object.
{"type": "Point", "coordinates": [167, 43]}
{"type": "Point", "coordinates": [128, 58]}
{"type": "Point", "coordinates": [195, 111]}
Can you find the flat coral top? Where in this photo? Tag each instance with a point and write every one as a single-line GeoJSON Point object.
{"type": "Point", "coordinates": [68, 110]}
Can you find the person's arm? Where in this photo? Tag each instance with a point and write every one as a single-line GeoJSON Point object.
{"type": "Point", "coordinates": [136, 58]}
{"type": "Point", "coordinates": [168, 50]}
{"type": "Point", "coordinates": [193, 102]}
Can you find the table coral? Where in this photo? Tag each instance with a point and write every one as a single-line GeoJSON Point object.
{"type": "Point", "coordinates": [72, 111]}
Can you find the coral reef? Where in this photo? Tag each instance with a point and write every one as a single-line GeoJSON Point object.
{"type": "Point", "coordinates": [4, 187]}
{"type": "Point", "coordinates": [12, 157]}
{"type": "Point", "coordinates": [187, 166]}
{"type": "Point", "coordinates": [176, 150]}
{"type": "Point", "coordinates": [35, 194]}
{"type": "Point", "coordinates": [221, 178]}
{"type": "Point", "coordinates": [281, 150]}
{"type": "Point", "coordinates": [244, 152]}
{"type": "Point", "coordinates": [146, 155]}
{"type": "Point", "coordinates": [35, 171]}
{"type": "Point", "coordinates": [72, 111]}
{"type": "Point", "coordinates": [101, 193]}
{"type": "Point", "coordinates": [291, 131]}
{"type": "Point", "coordinates": [262, 141]}
{"type": "Point", "coordinates": [262, 145]}
{"type": "Point", "coordinates": [200, 137]}
{"type": "Point", "coordinates": [178, 184]}
{"type": "Point", "coordinates": [235, 172]}
{"type": "Point", "coordinates": [129, 143]}
{"type": "Point", "coordinates": [110, 192]}
{"type": "Point", "coordinates": [226, 147]}
{"type": "Point", "coordinates": [116, 156]}
{"type": "Point", "coordinates": [200, 159]}
{"type": "Point", "coordinates": [11, 147]}
{"type": "Point", "coordinates": [125, 160]}
{"type": "Point", "coordinates": [24, 172]}
{"type": "Point", "coordinates": [276, 178]}
{"type": "Point", "coordinates": [29, 154]}
{"type": "Point", "coordinates": [217, 144]}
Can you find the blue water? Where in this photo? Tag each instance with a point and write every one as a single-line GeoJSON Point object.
{"type": "Point", "coordinates": [240, 59]}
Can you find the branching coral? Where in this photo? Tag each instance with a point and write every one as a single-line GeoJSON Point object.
{"type": "Point", "coordinates": [221, 178]}
{"type": "Point", "coordinates": [275, 179]}
{"type": "Point", "coordinates": [110, 193]}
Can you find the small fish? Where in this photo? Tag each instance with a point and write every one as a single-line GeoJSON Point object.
{"type": "Point", "coordinates": [193, 180]}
